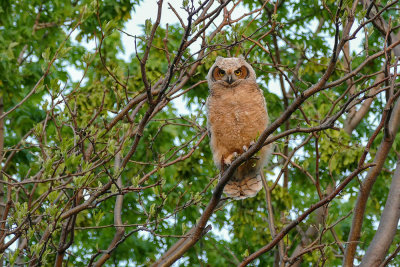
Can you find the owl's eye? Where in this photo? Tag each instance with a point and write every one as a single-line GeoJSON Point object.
{"type": "Point", "coordinates": [218, 74]}
{"type": "Point", "coordinates": [238, 72]}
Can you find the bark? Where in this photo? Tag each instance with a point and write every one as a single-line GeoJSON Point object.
{"type": "Point", "coordinates": [384, 148]}
{"type": "Point", "coordinates": [119, 228]}
{"type": "Point", "coordinates": [383, 238]}
{"type": "Point", "coordinates": [355, 117]}
{"type": "Point", "coordinates": [350, 83]}
{"type": "Point", "coordinates": [359, 210]}
{"type": "Point", "coordinates": [381, 24]}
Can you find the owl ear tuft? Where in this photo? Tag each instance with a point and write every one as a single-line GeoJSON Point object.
{"type": "Point", "coordinates": [241, 56]}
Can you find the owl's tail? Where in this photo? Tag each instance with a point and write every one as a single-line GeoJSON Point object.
{"type": "Point", "coordinates": [247, 187]}
{"type": "Point", "coordinates": [246, 181]}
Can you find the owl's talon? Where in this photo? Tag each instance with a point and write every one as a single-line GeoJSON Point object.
{"type": "Point", "coordinates": [230, 158]}
{"type": "Point", "coordinates": [245, 148]}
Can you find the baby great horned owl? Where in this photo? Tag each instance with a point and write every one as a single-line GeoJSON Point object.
{"type": "Point", "coordinates": [236, 116]}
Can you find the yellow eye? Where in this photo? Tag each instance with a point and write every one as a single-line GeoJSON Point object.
{"type": "Point", "coordinates": [238, 72]}
{"type": "Point", "coordinates": [221, 72]}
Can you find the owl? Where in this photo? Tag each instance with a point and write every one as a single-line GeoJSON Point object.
{"type": "Point", "coordinates": [236, 116]}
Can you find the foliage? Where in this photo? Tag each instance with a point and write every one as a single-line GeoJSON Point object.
{"type": "Point", "coordinates": [85, 157]}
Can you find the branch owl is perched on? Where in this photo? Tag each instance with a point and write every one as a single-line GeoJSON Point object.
{"type": "Point", "coordinates": [236, 116]}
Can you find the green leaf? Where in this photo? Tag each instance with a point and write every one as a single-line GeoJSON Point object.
{"type": "Point", "coordinates": [147, 27]}
{"type": "Point", "coordinates": [46, 54]}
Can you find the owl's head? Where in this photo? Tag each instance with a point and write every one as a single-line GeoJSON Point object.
{"type": "Point", "coordinates": [230, 71]}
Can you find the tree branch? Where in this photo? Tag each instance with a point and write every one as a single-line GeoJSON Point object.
{"type": "Point", "coordinates": [370, 179]}
{"type": "Point", "coordinates": [387, 228]}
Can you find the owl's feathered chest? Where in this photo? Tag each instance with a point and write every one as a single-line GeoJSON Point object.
{"type": "Point", "coordinates": [235, 106]}
{"type": "Point", "coordinates": [237, 115]}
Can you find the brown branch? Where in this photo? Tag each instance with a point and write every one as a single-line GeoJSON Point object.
{"type": "Point", "coordinates": [372, 175]}
{"type": "Point", "coordinates": [303, 216]}
{"type": "Point", "coordinates": [120, 229]}
{"type": "Point", "coordinates": [391, 256]}
{"type": "Point", "coordinates": [380, 23]}
{"type": "Point", "coordinates": [143, 61]}
{"type": "Point", "coordinates": [295, 261]}
{"type": "Point", "coordinates": [271, 223]}
{"type": "Point", "coordinates": [46, 73]}
{"type": "Point", "coordinates": [311, 233]}
{"type": "Point", "coordinates": [355, 117]}
{"type": "Point", "coordinates": [360, 67]}
{"type": "Point", "coordinates": [288, 160]}
{"type": "Point", "coordinates": [387, 228]}
{"type": "Point", "coordinates": [177, 15]}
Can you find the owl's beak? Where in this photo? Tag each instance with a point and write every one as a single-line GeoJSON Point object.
{"type": "Point", "coordinates": [229, 79]}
